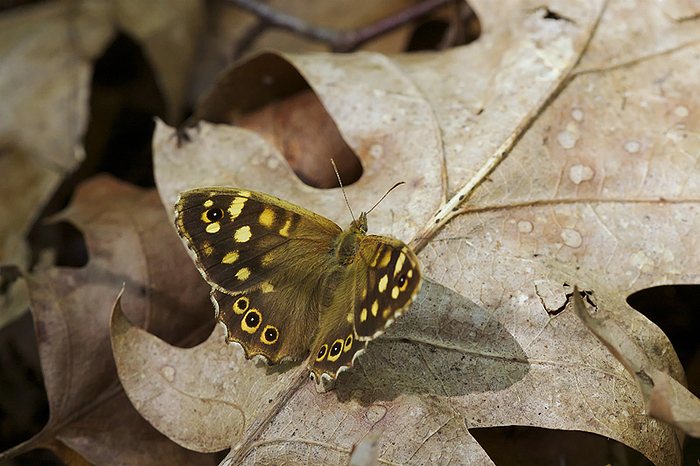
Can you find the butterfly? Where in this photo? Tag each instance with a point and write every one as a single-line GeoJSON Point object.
{"type": "Point", "coordinates": [287, 282]}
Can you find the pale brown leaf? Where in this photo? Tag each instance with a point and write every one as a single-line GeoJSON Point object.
{"type": "Point", "coordinates": [131, 243]}
{"type": "Point", "coordinates": [203, 398]}
{"type": "Point", "coordinates": [549, 152]}
{"type": "Point", "coordinates": [47, 52]}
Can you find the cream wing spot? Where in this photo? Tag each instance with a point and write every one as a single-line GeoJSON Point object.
{"type": "Point", "coordinates": [395, 292]}
{"type": "Point", "coordinates": [236, 207]}
{"type": "Point", "coordinates": [243, 274]}
{"type": "Point", "coordinates": [230, 258]}
{"type": "Point", "coordinates": [385, 260]}
{"type": "Point", "coordinates": [383, 283]}
{"type": "Point", "coordinates": [399, 263]}
{"type": "Point", "coordinates": [206, 248]}
{"type": "Point", "coordinates": [213, 228]}
{"type": "Point", "coordinates": [410, 273]}
{"type": "Point", "coordinates": [375, 308]}
{"type": "Point", "coordinates": [242, 235]}
{"type": "Point", "coordinates": [267, 287]}
{"type": "Point", "coordinates": [208, 203]}
{"type": "Point", "coordinates": [267, 259]}
{"type": "Point", "coordinates": [363, 314]}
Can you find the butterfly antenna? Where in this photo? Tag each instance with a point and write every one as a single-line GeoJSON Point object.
{"type": "Point", "coordinates": [385, 195]}
{"type": "Point", "coordinates": [335, 169]}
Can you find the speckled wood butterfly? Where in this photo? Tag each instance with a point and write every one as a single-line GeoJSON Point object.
{"type": "Point", "coordinates": [286, 281]}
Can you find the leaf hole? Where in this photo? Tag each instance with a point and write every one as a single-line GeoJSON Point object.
{"type": "Point", "coordinates": [515, 445]}
{"type": "Point", "coordinates": [675, 309]}
{"type": "Point", "coordinates": [451, 26]}
{"type": "Point", "coordinates": [269, 96]}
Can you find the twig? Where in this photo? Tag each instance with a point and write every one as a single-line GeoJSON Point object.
{"type": "Point", "coordinates": [338, 41]}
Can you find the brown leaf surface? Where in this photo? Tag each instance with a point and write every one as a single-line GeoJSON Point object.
{"type": "Point", "coordinates": [196, 383]}
{"type": "Point", "coordinates": [552, 151]}
{"type": "Point", "coordinates": [132, 244]}
{"type": "Point", "coordinates": [46, 57]}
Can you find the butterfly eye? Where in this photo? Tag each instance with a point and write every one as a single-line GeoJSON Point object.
{"type": "Point", "coordinates": [214, 215]}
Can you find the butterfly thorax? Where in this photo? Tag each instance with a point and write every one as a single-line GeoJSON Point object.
{"type": "Point", "coordinates": [347, 242]}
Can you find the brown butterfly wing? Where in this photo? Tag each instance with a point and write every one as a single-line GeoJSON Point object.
{"type": "Point", "coordinates": [336, 345]}
{"type": "Point", "coordinates": [265, 259]}
{"type": "Point", "coordinates": [242, 238]}
{"type": "Point", "coordinates": [263, 326]}
{"type": "Point", "coordinates": [365, 297]}
{"type": "Point", "coordinates": [388, 287]}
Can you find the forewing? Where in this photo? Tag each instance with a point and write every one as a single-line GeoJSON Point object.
{"type": "Point", "coordinates": [242, 238]}
{"type": "Point", "coordinates": [387, 273]}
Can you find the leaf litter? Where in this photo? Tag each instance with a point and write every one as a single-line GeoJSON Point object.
{"type": "Point", "coordinates": [548, 160]}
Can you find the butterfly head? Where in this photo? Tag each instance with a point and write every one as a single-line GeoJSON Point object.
{"type": "Point", "coordinates": [360, 225]}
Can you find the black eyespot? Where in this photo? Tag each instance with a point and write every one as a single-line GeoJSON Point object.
{"type": "Point", "coordinates": [402, 279]}
{"type": "Point", "coordinates": [252, 319]}
{"type": "Point", "coordinates": [215, 214]}
{"type": "Point", "coordinates": [322, 352]}
{"type": "Point", "coordinates": [271, 334]}
{"type": "Point", "coordinates": [336, 348]}
{"type": "Point", "coordinates": [242, 304]}
{"type": "Point", "coordinates": [348, 342]}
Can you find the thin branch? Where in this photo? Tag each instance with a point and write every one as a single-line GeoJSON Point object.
{"type": "Point", "coordinates": [244, 44]}
{"type": "Point", "coordinates": [338, 41]}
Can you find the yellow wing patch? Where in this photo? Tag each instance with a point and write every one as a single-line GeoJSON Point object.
{"type": "Point", "coordinates": [236, 207]}
{"type": "Point", "coordinates": [242, 235]}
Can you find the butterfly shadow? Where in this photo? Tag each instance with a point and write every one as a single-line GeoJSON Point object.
{"type": "Point", "coordinates": [445, 345]}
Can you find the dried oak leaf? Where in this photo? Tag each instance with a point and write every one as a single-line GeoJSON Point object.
{"type": "Point", "coordinates": [534, 159]}
{"type": "Point", "coordinates": [131, 244]}
{"type": "Point", "coordinates": [47, 53]}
